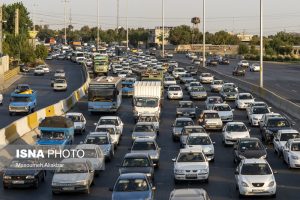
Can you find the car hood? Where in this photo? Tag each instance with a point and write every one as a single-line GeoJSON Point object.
{"type": "Point", "coordinates": [50, 142]}
{"type": "Point", "coordinates": [206, 148]}
{"type": "Point", "coordinates": [131, 195]}
{"type": "Point", "coordinates": [276, 129]}
{"type": "Point", "coordinates": [258, 179]}
{"type": "Point", "coordinates": [151, 153]}
{"type": "Point", "coordinates": [21, 172]}
{"type": "Point", "coordinates": [225, 113]}
{"type": "Point", "coordinates": [143, 134]}
{"type": "Point", "coordinates": [246, 100]}
{"type": "Point", "coordinates": [69, 178]}
{"type": "Point", "coordinates": [78, 124]}
{"type": "Point", "coordinates": [19, 103]}
{"type": "Point", "coordinates": [191, 165]}
{"type": "Point", "coordinates": [186, 109]}
{"type": "Point", "coordinates": [144, 170]}
{"type": "Point", "coordinates": [237, 134]}
{"type": "Point", "coordinates": [253, 153]}
{"type": "Point", "coordinates": [198, 93]}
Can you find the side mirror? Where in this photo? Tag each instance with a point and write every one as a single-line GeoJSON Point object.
{"type": "Point", "coordinates": [214, 142]}
{"type": "Point", "coordinates": [232, 110]}
{"type": "Point", "coordinates": [92, 171]}
{"type": "Point", "coordinates": [275, 172]}
{"type": "Point", "coordinates": [154, 164]}
{"type": "Point", "coordinates": [173, 159]}
{"type": "Point", "coordinates": [153, 188]}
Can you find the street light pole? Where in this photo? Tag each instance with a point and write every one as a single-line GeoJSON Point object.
{"type": "Point", "coordinates": [163, 29]}
{"type": "Point", "coordinates": [98, 34]}
{"type": "Point", "coordinates": [65, 11]}
{"type": "Point", "coordinates": [127, 39]}
{"type": "Point", "coordinates": [261, 46]}
{"type": "Point", "coordinates": [203, 63]}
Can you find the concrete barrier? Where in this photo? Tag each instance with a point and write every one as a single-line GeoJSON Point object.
{"type": "Point", "coordinates": [30, 122]}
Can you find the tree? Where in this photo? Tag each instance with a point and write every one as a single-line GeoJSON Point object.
{"type": "Point", "coordinates": [253, 50]}
{"type": "Point", "coordinates": [180, 35]}
{"type": "Point", "coordinates": [41, 52]}
{"type": "Point", "coordinates": [243, 49]}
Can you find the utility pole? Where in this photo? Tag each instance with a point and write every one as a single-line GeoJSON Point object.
{"type": "Point", "coordinates": [118, 8]}
{"type": "Point", "coordinates": [65, 11]}
{"type": "Point", "coordinates": [127, 37]}
{"type": "Point", "coordinates": [17, 22]}
{"type": "Point", "coordinates": [163, 28]}
{"type": "Point", "coordinates": [98, 34]}
{"type": "Point", "coordinates": [1, 21]}
{"type": "Point", "coordinates": [33, 15]}
{"type": "Point", "coordinates": [261, 47]}
{"type": "Point", "coordinates": [203, 34]}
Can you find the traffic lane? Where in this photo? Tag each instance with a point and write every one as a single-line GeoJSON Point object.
{"type": "Point", "coordinates": [45, 94]}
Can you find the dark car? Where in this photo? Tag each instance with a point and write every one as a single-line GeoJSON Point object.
{"type": "Point", "coordinates": [186, 109]}
{"type": "Point", "coordinates": [24, 68]}
{"type": "Point", "coordinates": [248, 148]}
{"type": "Point", "coordinates": [212, 62]}
{"type": "Point", "coordinates": [224, 61]}
{"type": "Point", "coordinates": [272, 126]}
{"type": "Point", "coordinates": [137, 163]}
{"type": "Point", "coordinates": [16, 176]}
{"type": "Point", "coordinates": [239, 71]}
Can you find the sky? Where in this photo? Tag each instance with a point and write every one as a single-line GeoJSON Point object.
{"type": "Point", "coordinates": [238, 16]}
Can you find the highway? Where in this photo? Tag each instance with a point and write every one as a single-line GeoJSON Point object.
{"type": "Point", "coordinates": [220, 187]}
{"type": "Point", "coordinates": [46, 96]}
{"type": "Point", "coordinates": [282, 79]}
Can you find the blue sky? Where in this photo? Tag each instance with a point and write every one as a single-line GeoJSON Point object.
{"type": "Point", "coordinates": [231, 15]}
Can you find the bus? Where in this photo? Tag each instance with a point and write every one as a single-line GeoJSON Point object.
{"type": "Point", "coordinates": [105, 94]}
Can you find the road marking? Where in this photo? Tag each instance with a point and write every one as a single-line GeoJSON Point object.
{"type": "Point", "coordinates": [294, 91]}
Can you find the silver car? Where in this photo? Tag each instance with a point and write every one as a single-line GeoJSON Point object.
{"type": "Point", "coordinates": [189, 194]}
{"type": "Point", "coordinates": [198, 92]}
{"type": "Point", "coordinates": [75, 175]}
{"type": "Point", "coordinates": [147, 146]}
{"type": "Point", "coordinates": [144, 130]}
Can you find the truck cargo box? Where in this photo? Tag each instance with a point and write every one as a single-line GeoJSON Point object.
{"type": "Point", "coordinates": [147, 89]}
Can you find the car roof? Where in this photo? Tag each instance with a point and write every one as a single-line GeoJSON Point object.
{"type": "Point", "coordinates": [209, 111]}
{"type": "Point", "coordinates": [288, 131]}
{"type": "Point", "coordinates": [144, 140]}
{"type": "Point", "coordinates": [183, 119]}
{"type": "Point", "coordinates": [74, 113]}
{"type": "Point", "coordinates": [141, 123]}
{"type": "Point", "coordinates": [228, 123]}
{"type": "Point", "coordinates": [188, 194]}
{"type": "Point", "coordinates": [106, 126]}
{"type": "Point", "coordinates": [136, 155]}
{"type": "Point", "coordinates": [244, 93]}
{"type": "Point", "coordinates": [295, 140]}
{"type": "Point", "coordinates": [213, 97]}
{"type": "Point", "coordinates": [87, 146]}
{"type": "Point", "coordinates": [254, 160]}
{"type": "Point", "coordinates": [132, 175]}
{"type": "Point", "coordinates": [194, 126]}
{"type": "Point", "coordinates": [199, 134]}
{"type": "Point", "coordinates": [249, 139]}
{"type": "Point", "coordinates": [191, 150]}
{"type": "Point", "coordinates": [109, 117]}
{"type": "Point", "coordinates": [74, 160]}
{"type": "Point", "coordinates": [98, 134]}
{"type": "Point", "coordinates": [182, 102]}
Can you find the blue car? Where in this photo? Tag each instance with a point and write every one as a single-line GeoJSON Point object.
{"type": "Point", "coordinates": [133, 186]}
{"type": "Point", "coordinates": [127, 86]}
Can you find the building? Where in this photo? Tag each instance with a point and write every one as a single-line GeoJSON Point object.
{"type": "Point", "coordinates": [155, 34]}
{"type": "Point", "coordinates": [245, 37]}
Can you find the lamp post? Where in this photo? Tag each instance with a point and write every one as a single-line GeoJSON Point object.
{"type": "Point", "coordinates": [203, 34]}
{"type": "Point", "coordinates": [163, 29]}
{"type": "Point", "coordinates": [261, 84]}
{"type": "Point", "coordinates": [127, 39]}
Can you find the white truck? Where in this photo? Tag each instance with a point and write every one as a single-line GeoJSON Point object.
{"type": "Point", "coordinates": [147, 98]}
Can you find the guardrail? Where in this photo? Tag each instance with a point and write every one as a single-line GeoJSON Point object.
{"type": "Point", "coordinates": [20, 127]}
{"type": "Point", "coordinates": [11, 73]}
{"type": "Point", "coordinates": [267, 95]}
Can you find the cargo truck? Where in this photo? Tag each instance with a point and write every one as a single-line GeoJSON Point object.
{"type": "Point", "coordinates": [147, 98]}
{"type": "Point", "coordinates": [100, 65]}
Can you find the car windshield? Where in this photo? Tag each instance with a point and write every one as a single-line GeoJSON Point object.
{"type": "Point", "coordinates": [245, 96]}
{"type": "Point", "coordinates": [131, 185]}
{"type": "Point", "coordinates": [108, 130]}
{"type": "Point", "coordinates": [108, 122]}
{"type": "Point", "coordinates": [198, 140]}
{"type": "Point", "coordinates": [230, 90]}
{"type": "Point", "coordinates": [260, 110]}
{"type": "Point", "coordinates": [144, 146]}
{"type": "Point", "coordinates": [169, 79]}
{"type": "Point", "coordinates": [89, 153]}
{"type": "Point", "coordinates": [211, 116]}
{"type": "Point", "coordinates": [278, 123]}
{"type": "Point", "coordinates": [186, 105]}
{"type": "Point", "coordinates": [214, 100]}
{"type": "Point", "coordinates": [250, 145]}
{"type": "Point", "coordinates": [222, 108]}
{"type": "Point", "coordinates": [99, 140]}
{"type": "Point", "coordinates": [69, 168]}
{"type": "Point", "coordinates": [51, 135]}
{"type": "Point", "coordinates": [143, 128]}
{"type": "Point", "coordinates": [146, 102]}
{"type": "Point", "coordinates": [183, 123]}
{"type": "Point", "coordinates": [198, 89]}
{"type": "Point", "coordinates": [191, 157]}
{"type": "Point", "coordinates": [187, 131]}
{"type": "Point", "coordinates": [236, 128]}
{"type": "Point", "coordinates": [218, 82]}
{"type": "Point", "coordinates": [20, 99]}
{"type": "Point", "coordinates": [206, 75]}
{"type": "Point", "coordinates": [74, 118]}
{"type": "Point", "coordinates": [148, 119]}
{"type": "Point", "coordinates": [256, 169]}
{"type": "Point", "coordinates": [174, 89]}
{"type": "Point", "coordinates": [287, 136]}
{"type": "Point", "coordinates": [295, 146]}
{"type": "Point", "coordinates": [136, 162]}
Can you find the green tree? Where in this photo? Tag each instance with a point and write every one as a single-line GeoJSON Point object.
{"type": "Point", "coordinates": [243, 49]}
{"type": "Point", "coordinates": [41, 52]}
{"type": "Point", "coordinates": [180, 35]}
{"type": "Point", "coordinates": [253, 50]}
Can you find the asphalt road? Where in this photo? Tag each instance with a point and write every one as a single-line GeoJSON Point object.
{"type": "Point", "coordinates": [220, 187]}
{"type": "Point", "coordinates": [45, 96]}
{"type": "Point", "coordinates": [282, 79]}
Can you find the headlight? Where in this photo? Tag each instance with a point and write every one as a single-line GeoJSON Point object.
{"type": "Point", "coordinates": [264, 156]}
{"type": "Point", "coordinates": [271, 184]}
{"type": "Point", "coordinates": [295, 157]}
{"type": "Point", "coordinates": [244, 184]}
{"type": "Point", "coordinates": [149, 175]}
{"type": "Point", "coordinates": [26, 107]}
{"type": "Point", "coordinates": [82, 182]}
{"type": "Point", "coordinates": [30, 177]}
{"type": "Point", "coordinates": [179, 171]}
{"type": "Point", "coordinates": [242, 157]}
{"type": "Point", "coordinates": [203, 171]}
{"type": "Point", "coordinates": [210, 151]}
{"type": "Point", "coordinates": [7, 177]}
{"type": "Point", "coordinates": [54, 183]}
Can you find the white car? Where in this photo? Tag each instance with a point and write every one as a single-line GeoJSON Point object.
{"type": "Point", "coordinates": [111, 120]}
{"type": "Point", "coordinates": [192, 84]}
{"type": "Point", "coordinates": [224, 111]}
{"type": "Point", "coordinates": [291, 153]}
{"type": "Point", "coordinates": [60, 73]}
{"type": "Point", "coordinates": [281, 137]}
{"type": "Point", "coordinates": [255, 103]}
{"type": "Point", "coordinates": [1, 99]}
{"type": "Point", "coordinates": [38, 71]}
{"type": "Point", "coordinates": [117, 69]}
{"type": "Point", "coordinates": [113, 133]}
{"type": "Point", "coordinates": [60, 85]}
{"type": "Point", "coordinates": [210, 120]}
{"type": "Point", "coordinates": [78, 120]}
{"type": "Point", "coordinates": [178, 71]}
{"type": "Point", "coordinates": [255, 67]}
{"type": "Point", "coordinates": [189, 194]}
{"type": "Point", "coordinates": [175, 92]}
{"type": "Point", "coordinates": [201, 140]}
{"type": "Point", "coordinates": [243, 100]}
{"type": "Point", "coordinates": [216, 85]}
{"type": "Point", "coordinates": [243, 63]}
{"type": "Point", "coordinates": [206, 78]}
{"type": "Point", "coordinates": [256, 113]}
{"type": "Point", "coordinates": [211, 101]}
{"type": "Point", "coordinates": [191, 165]}
{"type": "Point", "coordinates": [45, 68]}
{"type": "Point", "coordinates": [151, 119]}
{"type": "Point", "coordinates": [254, 177]}
{"type": "Point", "coordinates": [169, 80]}
{"type": "Point", "coordinates": [233, 131]}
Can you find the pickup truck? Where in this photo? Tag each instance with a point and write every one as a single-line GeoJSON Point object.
{"type": "Point", "coordinates": [22, 101]}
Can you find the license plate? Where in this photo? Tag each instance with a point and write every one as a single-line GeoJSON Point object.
{"type": "Point", "coordinates": [68, 188]}
{"type": "Point", "coordinates": [191, 175]}
{"type": "Point", "coordinates": [186, 114]}
{"type": "Point", "coordinates": [256, 190]}
{"type": "Point", "coordinates": [18, 182]}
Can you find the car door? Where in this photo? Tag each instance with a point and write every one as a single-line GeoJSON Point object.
{"type": "Point", "coordinates": [286, 152]}
{"type": "Point", "coordinates": [120, 125]}
{"type": "Point", "coordinates": [100, 157]}
{"type": "Point", "coordinates": [238, 173]}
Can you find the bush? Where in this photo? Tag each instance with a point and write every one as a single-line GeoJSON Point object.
{"type": "Point", "coordinates": [243, 49]}
{"type": "Point", "coordinates": [41, 51]}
